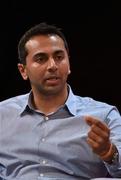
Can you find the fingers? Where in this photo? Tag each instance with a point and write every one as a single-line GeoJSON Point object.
{"type": "Point", "coordinates": [98, 127]}
{"type": "Point", "coordinates": [95, 137]}
{"type": "Point", "coordinates": [92, 121]}
{"type": "Point", "coordinates": [97, 131]}
{"type": "Point", "coordinates": [98, 136]}
{"type": "Point", "coordinates": [93, 144]}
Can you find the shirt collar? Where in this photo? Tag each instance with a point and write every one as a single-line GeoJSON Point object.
{"type": "Point", "coordinates": [27, 104]}
{"type": "Point", "coordinates": [70, 103]}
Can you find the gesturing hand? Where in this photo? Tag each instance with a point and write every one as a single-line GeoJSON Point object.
{"type": "Point", "coordinates": [98, 136]}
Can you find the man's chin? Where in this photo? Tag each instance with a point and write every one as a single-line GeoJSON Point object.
{"type": "Point", "coordinates": [52, 90]}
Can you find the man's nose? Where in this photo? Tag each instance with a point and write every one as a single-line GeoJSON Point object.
{"type": "Point", "coordinates": [52, 64]}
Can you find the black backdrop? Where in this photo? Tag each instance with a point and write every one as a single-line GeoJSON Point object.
{"type": "Point", "coordinates": [93, 31]}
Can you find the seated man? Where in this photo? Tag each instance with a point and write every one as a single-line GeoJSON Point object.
{"type": "Point", "coordinates": [50, 133]}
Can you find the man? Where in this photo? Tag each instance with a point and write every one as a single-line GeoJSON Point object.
{"type": "Point", "coordinates": [50, 133]}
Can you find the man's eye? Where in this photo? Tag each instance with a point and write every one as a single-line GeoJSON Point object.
{"type": "Point", "coordinates": [40, 59]}
{"type": "Point", "coordinates": [59, 57]}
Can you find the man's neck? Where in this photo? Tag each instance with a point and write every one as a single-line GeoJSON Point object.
{"type": "Point", "coordinates": [50, 103]}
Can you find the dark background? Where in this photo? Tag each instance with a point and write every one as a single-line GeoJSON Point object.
{"type": "Point", "coordinates": [93, 31]}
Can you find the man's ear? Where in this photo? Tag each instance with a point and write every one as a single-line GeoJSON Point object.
{"type": "Point", "coordinates": [69, 71]}
{"type": "Point", "coordinates": [22, 70]}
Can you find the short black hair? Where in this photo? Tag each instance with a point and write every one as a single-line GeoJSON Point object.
{"type": "Point", "coordinates": [39, 29]}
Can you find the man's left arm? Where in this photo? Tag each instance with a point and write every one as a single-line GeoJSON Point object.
{"type": "Point", "coordinates": [105, 140]}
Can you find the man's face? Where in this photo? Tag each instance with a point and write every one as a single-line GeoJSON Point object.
{"type": "Point", "coordinates": [47, 64]}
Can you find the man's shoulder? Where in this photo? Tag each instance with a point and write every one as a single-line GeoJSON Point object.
{"type": "Point", "coordinates": [16, 100]}
{"type": "Point", "coordinates": [91, 102]}
{"type": "Point", "coordinates": [90, 106]}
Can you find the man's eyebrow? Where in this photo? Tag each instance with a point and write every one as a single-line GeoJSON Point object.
{"type": "Point", "coordinates": [58, 51]}
{"type": "Point", "coordinates": [44, 53]}
{"type": "Point", "coordinates": [39, 54]}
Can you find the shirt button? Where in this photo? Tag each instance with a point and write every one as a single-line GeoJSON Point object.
{"type": "Point", "coordinates": [43, 139]}
{"type": "Point", "coordinates": [41, 175]}
{"type": "Point", "coordinates": [44, 162]}
{"type": "Point", "coordinates": [46, 118]}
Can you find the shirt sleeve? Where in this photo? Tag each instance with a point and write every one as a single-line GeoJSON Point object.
{"type": "Point", "coordinates": [113, 120]}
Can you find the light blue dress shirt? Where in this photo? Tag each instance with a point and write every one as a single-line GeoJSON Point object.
{"type": "Point", "coordinates": [38, 147]}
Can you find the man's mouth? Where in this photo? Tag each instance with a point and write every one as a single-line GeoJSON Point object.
{"type": "Point", "coordinates": [52, 80]}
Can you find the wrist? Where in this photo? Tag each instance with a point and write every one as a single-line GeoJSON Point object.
{"type": "Point", "coordinates": [111, 155]}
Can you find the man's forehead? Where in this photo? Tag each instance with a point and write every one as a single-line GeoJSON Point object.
{"type": "Point", "coordinates": [44, 40]}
